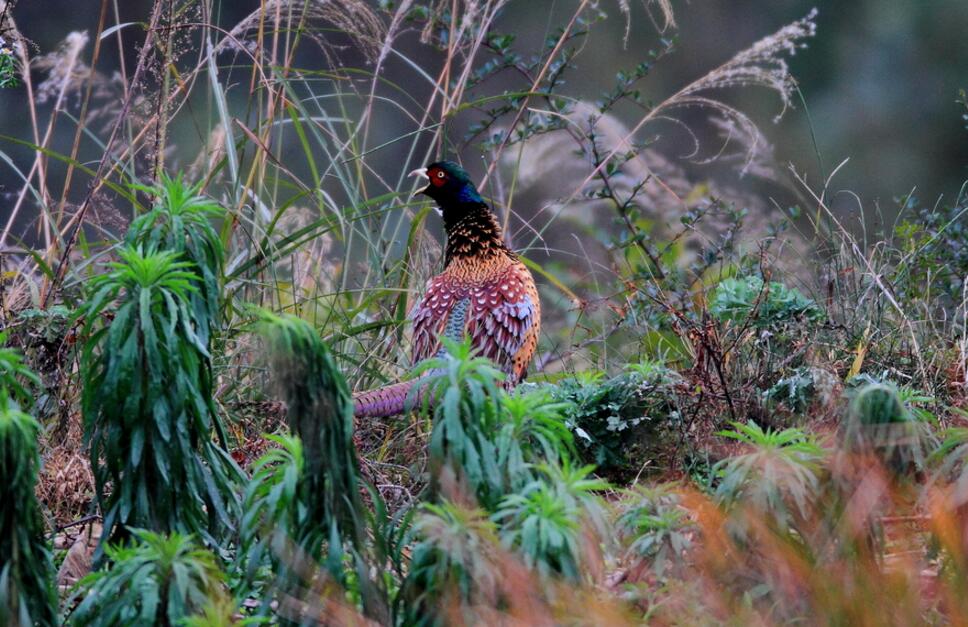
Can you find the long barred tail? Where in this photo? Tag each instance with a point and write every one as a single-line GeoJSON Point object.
{"type": "Point", "coordinates": [386, 401]}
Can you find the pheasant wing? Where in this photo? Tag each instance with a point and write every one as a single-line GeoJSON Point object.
{"type": "Point", "coordinates": [502, 322]}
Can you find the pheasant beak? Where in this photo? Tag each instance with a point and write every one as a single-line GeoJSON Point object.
{"type": "Point", "coordinates": [422, 173]}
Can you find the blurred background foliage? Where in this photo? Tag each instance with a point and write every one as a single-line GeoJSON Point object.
{"type": "Point", "coordinates": [880, 83]}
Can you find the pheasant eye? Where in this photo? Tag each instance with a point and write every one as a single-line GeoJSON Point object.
{"type": "Point", "coordinates": [438, 177]}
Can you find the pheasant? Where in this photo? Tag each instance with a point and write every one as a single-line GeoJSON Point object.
{"type": "Point", "coordinates": [485, 292]}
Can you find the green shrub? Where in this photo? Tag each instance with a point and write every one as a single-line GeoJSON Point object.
{"type": "Point", "coordinates": [155, 580]}
{"type": "Point", "coordinates": [453, 559]}
{"type": "Point", "coordinates": [149, 416]}
{"type": "Point", "coordinates": [320, 413]}
{"type": "Point", "coordinates": [271, 507]}
{"type": "Point", "coordinates": [622, 421]}
{"type": "Point", "coordinates": [26, 574]}
{"type": "Point", "coordinates": [765, 306]}
{"type": "Point", "coordinates": [531, 429]}
{"type": "Point", "coordinates": [15, 376]}
{"type": "Point", "coordinates": [801, 388]}
{"type": "Point", "coordinates": [951, 461]}
{"type": "Point", "coordinates": [181, 221]}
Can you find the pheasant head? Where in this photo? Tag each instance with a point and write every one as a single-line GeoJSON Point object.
{"type": "Point", "coordinates": [472, 229]}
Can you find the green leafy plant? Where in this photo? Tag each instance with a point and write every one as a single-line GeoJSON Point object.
{"type": "Point", "coordinates": [156, 579]}
{"type": "Point", "coordinates": [15, 376]}
{"type": "Point", "coordinates": [320, 413]}
{"type": "Point", "coordinates": [304, 500]}
{"type": "Point", "coordinates": [26, 574]}
{"type": "Point", "coordinates": [620, 419]}
{"type": "Point", "coordinates": [879, 421]}
{"type": "Point", "coordinates": [148, 415]}
{"type": "Point", "coordinates": [950, 461]}
{"type": "Point", "coordinates": [542, 521]}
{"type": "Point", "coordinates": [802, 387]}
{"type": "Point", "coordinates": [181, 221]}
{"type": "Point", "coordinates": [748, 298]}
{"type": "Point", "coordinates": [532, 430]}
{"type": "Point", "coordinates": [778, 478]}
{"type": "Point", "coordinates": [8, 66]}
{"type": "Point", "coordinates": [655, 528]}
{"type": "Point", "coordinates": [467, 408]}
{"type": "Point", "coordinates": [270, 507]}
{"type": "Point", "coordinates": [454, 558]}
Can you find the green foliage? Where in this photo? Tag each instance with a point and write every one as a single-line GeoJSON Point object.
{"type": "Point", "coordinates": [181, 221]}
{"type": "Point", "coordinates": [14, 375]}
{"type": "Point", "coordinates": [532, 428]}
{"type": "Point", "coordinates": [468, 406]}
{"type": "Point", "coordinates": [148, 411]}
{"type": "Point", "coordinates": [655, 527]}
{"type": "Point", "coordinates": [621, 419]}
{"type": "Point", "coordinates": [270, 508]}
{"type": "Point", "coordinates": [320, 413]}
{"type": "Point", "coordinates": [303, 503]}
{"type": "Point", "coordinates": [8, 66]}
{"type": "Point", "coordinates": [795, 391]}
{"type": "Point", "coordinates": [800, 388]}
{"type": "Point", "coordinates": [950, 460]}
{"type": "Point", "coordinates": [542, 528]}
{"type": "Point", "coordinates": [880, 421]}
{"type": "Point", "coordinates": [748, 298]}
{"type": "Point", "coordinates": [454, 556]}
{"type": "Point", "coordinates": [155, 580]}
{"type": "Point", "coordinates": [26, 574]}
{"type": "Point", "coordinates": [541, 522]}
{"type": "Point", "coordinates": [934, 243]}
{"type": "Point", "coordinates": [778, 478]}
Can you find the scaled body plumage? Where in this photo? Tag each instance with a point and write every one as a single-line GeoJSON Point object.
{"type": "Point", "coordinates": [485, 291]}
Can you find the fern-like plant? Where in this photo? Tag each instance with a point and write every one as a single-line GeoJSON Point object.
{"type": "Point", "coordinates": [880, 421]}
{"type": "Point", "coordinates": [156, 580]}
{"type": "Point", "coordinates": [181, 221]}
{"type": "Point", "coordinates": [532, 430]}
{"type": "Point", "coordinates": [148, 414]}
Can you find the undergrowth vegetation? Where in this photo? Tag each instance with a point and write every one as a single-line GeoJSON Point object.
{"type": "Point", "coordinates": [737, 413]}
